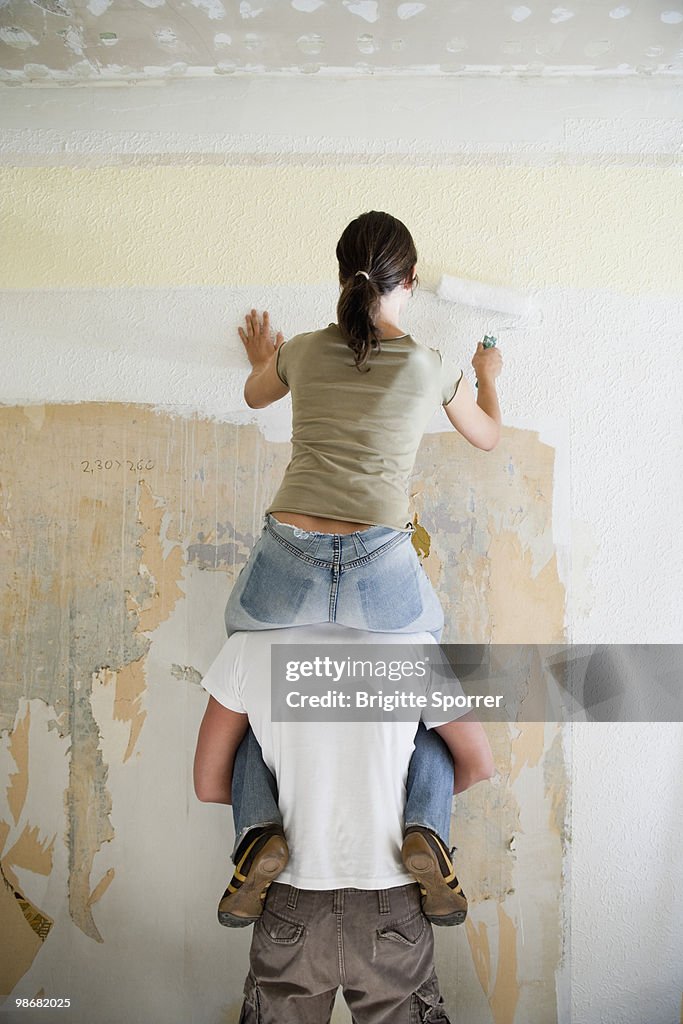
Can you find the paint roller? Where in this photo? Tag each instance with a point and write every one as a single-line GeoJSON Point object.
{"type": "Point", "coordinates": [487, 296]}
{"type": "Point", "coordinates": [490, 297]}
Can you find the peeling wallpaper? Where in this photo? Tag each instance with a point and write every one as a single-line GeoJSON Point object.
{"type": "Point", "coordinates": [110, 510]}
{"type": "Point", "coordinates": [133, 482]}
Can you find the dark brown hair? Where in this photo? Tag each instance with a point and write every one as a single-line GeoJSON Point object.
{"type": "Point", "coordinates": [382, 246]}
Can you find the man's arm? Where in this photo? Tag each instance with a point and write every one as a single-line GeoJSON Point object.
{"type": "Point", "coordinates": [220, 734]}
{"type": "Point", "coordinates": [470, 750]}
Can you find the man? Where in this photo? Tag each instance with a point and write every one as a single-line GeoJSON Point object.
{"type": "Point", "coordinates": [344, 912]}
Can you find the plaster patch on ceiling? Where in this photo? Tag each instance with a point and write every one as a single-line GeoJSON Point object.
{"type": "Point", "coordinates": [36, 71]}
{"type": "Point", "coordinates": [153, 3]}
{"type": "Point", "coordinates": [560, 14]}
{"type": "Point", "coordinates": [512, 46]}
{"type": "Point", "coordinates": [456, 45]}
{"type": "Point", "coordinates": [98, 7]}
{"type": "Point", "coordinates": [83, 69]}
{"type": "Point", "coordinates": [310, 44]}
{"type": "Point", "coordinates": [367, 44]}
{"type": "Point", "coordinates": [222, 39]}
{"type": "Point", "coordinates": [671, 17]}
{"type": "Point", "coordinates": [549, 45]}
{"type": "Point", "coordinates": [519, 13]}
{"type": "Point", "coordinates": [620, 12]}
{"type": "Point", "coordinates": [53, 7]}
{"type": "Point", "coordinates": [366, 9]}
{"type": "Point", "coordinates": [307, 6]}
{"type": "Point", "coordinates": [214, 8]}
{"type": "Point", "coordinates": [597, 47]}
{"type": "Point", "coordinates": [406, 11]}
{"type": "Point", "coordinates": [247, 11]}
{"type": "Point", "coordinates": [73, 39]}
{"type": "Point", "coordinates": [19, 38]}
{"type": "Point", "coordinates": [166, 37]}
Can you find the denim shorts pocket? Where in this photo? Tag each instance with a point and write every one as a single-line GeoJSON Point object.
{"type": "Point", "coordinates": [279, 929]}
{"type": "Point", "coordinates": [390, 593]}
{"type": "Point", "coordinates": [408, 930]}
{"type": "Point", "coordinates": [427, 1005]}
{"type": "Point", "coordinates": [270, 596]}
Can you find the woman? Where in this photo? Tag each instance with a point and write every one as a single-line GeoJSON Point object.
{"type": "Point", "coordinates": [336, 543]}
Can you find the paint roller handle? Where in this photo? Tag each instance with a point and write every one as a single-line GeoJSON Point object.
{"type": "Point", "coordinates": [488, 342]}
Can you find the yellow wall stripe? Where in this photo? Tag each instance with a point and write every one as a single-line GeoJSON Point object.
{"type": "Point", "coordinates": [566, 226]}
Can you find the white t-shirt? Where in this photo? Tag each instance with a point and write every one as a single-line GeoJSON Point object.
{"type": "Point", "coordinates": [341, 785]}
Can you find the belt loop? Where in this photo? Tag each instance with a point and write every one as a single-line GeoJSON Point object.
{"type": "Point", "coordinates": [384, 901]}
{"type": "Point", "coordinates": [338, 904]}
{"type": "Point", "coordinates": [292, 898]}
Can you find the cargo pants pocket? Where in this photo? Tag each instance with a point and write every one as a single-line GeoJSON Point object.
{"type": "Point", "coordinates": [427, 1005]}
{"type": "Point", "coordinates": [251, 1010]}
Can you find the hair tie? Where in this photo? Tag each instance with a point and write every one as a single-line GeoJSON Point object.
{"type": "Point", "coordinates": [364, 273]}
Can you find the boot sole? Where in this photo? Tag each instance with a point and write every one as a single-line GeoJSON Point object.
{"type": "Point", "coordinates": [245, 905]}
{"type": "Point", "coordinates": [441, 905]}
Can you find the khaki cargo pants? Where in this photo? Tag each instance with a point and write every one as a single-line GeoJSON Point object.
{"type": "Point", "coordinates": [376, 944]}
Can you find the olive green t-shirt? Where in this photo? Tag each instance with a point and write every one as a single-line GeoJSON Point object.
{"type": "Point", "coordinates": [355, 435]}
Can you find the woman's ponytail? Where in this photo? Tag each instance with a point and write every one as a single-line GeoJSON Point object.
{"type": "Point", "coordinates": [356, 311]}
{"type": "Point", "coordinates": [376, 253]}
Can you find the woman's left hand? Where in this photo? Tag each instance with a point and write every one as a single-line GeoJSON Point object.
{"type": "Point", "coordinates": [258, 340]}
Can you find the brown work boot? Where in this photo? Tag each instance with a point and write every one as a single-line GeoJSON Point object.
{"type": "Point", "coordinates": [429, 862]}
{"type": "Point", "coordinates": [263, 860]}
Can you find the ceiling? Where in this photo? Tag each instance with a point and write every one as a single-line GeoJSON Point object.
{"type": "Point", "coordinates": [71, 41]}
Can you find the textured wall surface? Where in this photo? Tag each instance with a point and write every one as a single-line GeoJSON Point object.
{"type": "Point", "coordinates": [145, 223]}
{"type": "Point", "coordinates": [130, 226]}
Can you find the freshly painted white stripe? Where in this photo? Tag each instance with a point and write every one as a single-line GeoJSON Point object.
{"type": "Point", "coordinates": [179, 346]}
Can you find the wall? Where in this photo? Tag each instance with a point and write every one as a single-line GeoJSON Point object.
{"type": "Point", "coordinates": [163, 227]}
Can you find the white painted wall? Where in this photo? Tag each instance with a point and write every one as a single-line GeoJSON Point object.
{"type": "Point", "coordinates": [613, 389]}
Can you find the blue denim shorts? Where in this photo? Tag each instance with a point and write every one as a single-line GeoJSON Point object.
{"type": "Point", "coordinates": [371, 579]}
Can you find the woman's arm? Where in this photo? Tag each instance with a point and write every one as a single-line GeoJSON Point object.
{"type": "Point", "coordinates": [470, 750]}
{"type": "Point", "coordinates": [263, 386]}
{"type": "Point", "coordinates": [220, 734]}
{"type": "Point", "coordinates": [478, 418]}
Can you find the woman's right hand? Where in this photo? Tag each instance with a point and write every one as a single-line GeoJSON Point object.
{"type": "Point", "coordinates": [258, 339]}
{"type": "Point", "coordinates": [487, 362]}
